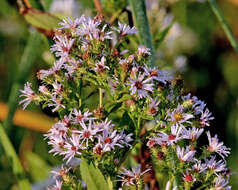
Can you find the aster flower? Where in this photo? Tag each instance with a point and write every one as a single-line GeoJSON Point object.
{"type": "Point", "coordinates": [73, 148]}
{"type": "Point", "coordinates": [205, 118]}
{"type": "Point", "coordinates": [57, 143]}
{"type": "Point", "coordinates": [140, 86]}
{"type": "Point", "coordinates": [109, 140]}
{"type": "Point", "coordinates": [153, 106]}
{"type": "Point", "coordinates": [89, 29]}
{"type": "Point", "coordinates": [215, 166]}
{"type": "Point", "coordinates": [131, 177]}
{"type": "Point", "coordinates": [68, 23]}
{"type": "Point", "coordinates": [124, 29]}
{"type": "Point", "coordinates": [58, 88]}
{"type": "Point", "coordinates": [125, 139]}
{"type": "Point", "coordinates": [78, 116]}
{"type": "Point", "coordinates": [100, 66]}
{"type": "Point", "coordinates": [29, 95]}
{"type": "Point", "coordinates": [60, 172]}
{"type": "Point", "coordinates": [192, 133]}
{"type": "Point", "coordinates": [179, 117]}
{"type": "Point", "coordinates": [53, 70]}
{"type": "Point", "coordinates": [44, 90]}
{"type": "Point", "coordinates": [216, 146]}
{"type": "Point", "coordinates": [56, 102]}
{"type": "Point", "coordinates": [221, 183]}
{"type": "Point", "coordinates": [158, 75]}
{"type": "Point", "coordinates": [143, 51]}
{"type": "Point", "coordinates": [57, 186]}
{"type": "Point", "coordinates": [199, 166]}
{"type": "Point", "coordinates": [58, 129]}
{"type": "Point", "coordinates": [87, 133]}
{"type": "Point", "coordinates": [62, 46]}
{"type": "Point", "coordinates": [185, 155]}
{"type": "Point", "coordinates": [165, 139]}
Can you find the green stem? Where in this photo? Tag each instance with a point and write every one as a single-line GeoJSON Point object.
{"type": "Point", "coordinates": [27, 60]}
{"type": "Point", "coordinates": [16, 165]}
{"type": "Point", "coordinates": [142, 24]}
{"type": "Point", "coordinates": [216, 10]}
{"type": "Point", "coordinates": [100, 97]}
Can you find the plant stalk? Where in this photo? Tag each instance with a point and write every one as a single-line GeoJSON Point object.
{"type": "Point", "coordinates": [16, 165]}
{"type": "Point", "coordinates": [216, 10]}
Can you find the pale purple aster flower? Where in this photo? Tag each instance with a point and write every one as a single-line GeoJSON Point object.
{"type": "Point", "coordinates": [68, 23]}
{"type": "Point", "coordinates": [58, 88]}
{"type": "Point", "coordinates": [192, 133]}
{"type": "Point", "coordinates": [130, 177]}
{"type": "Point", "coordinates": [216, 146]}
{"type": "Point", "coordinates": [58, 129]}
{"type": "Point", "coordinates": [159, 75]}
{"type": "Point", "coordinates": [140, 86]}
{"type": "Point", "coordinates": [78, 116]}
{"type": "Point", "coordinates": [57, 186]}
{"type": "Point", "coordinates": [107, 124]}
{"type": "Point", "coordinates": [165, 139]}
{"type": "Point", "coordinates": [105, 35]}
{"type": "Point", "coordinates": [98, 149]}
{"type": "Point", "coordinates": [205, 118]}
{"type": "Point", "coordinates": [125, 139]}
{"type": "Point", "coordinates": [198, 105]}
{"type": "Point", "coordinates": [153, 106]}
{"type": "Point", "coordinates": [124, 29]}
{"type": "Point", "coordinates": [87, 133]}
{"type": "Point", "coordinates": [29, 95]}
{"type": "Point", "coordinates": [185, 155]}
{"type": "Point", "coordinates": [60, 172]}
{"type": "Point", "coordinates": [57, 103]}
{"type": "Point", "coordinates": [44, 90]}
{"type": "Point", "coordinates": [57, 143]}
{"type": "Point", "coordinates": [143, 51]}
{"type": "Point", "coordinates": [221, 183]}
{"type": "Point", "coordinates": [73, 147]}
{"type": "Point", "coordinates": [89, 29]}
{"type": "Point", "coordinates": [62, 46]}
{"type": "Point", "coordinates": [199, 166]}
{"type": "Point", "coordinates": [216, 166]}
{"type": "Point", "coordinates": [53, 70]}
{"type": "Point", "coordinates": [109, 140]}
{"type": "Point", "coordinates": [100, 66]}
{"type": "Point", "coordinates": [178, 116]}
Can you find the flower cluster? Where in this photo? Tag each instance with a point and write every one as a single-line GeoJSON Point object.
{"type": "Point", "coordinates": [198, 164]}
{"type": "Point", "coordinates": [105, 95]}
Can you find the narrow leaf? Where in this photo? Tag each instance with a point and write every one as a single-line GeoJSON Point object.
{"type": "Point", "coordinates": [161, 36]}
{"type": "Point", "coordinates": [92, 176]}
{"type": "Point", "coordinates": [16, 165]}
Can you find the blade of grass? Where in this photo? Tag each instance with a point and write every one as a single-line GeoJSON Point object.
{"type": "Point", "coordinates": [216, 10]}
{"type": "Point", "coordinates": [16, 165]}
{"type": "Point", "coordinates": [27, 60]}
{"type": "Point", "coordinates": [142, 24]}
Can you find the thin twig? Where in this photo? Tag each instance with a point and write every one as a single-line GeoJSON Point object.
{"type": "Point", "coordinates": [100, 98]}
{"type": "Point", "coordinates": [216, 10]}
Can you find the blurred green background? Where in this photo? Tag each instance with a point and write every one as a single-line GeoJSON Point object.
{"type": "Point", "coordinates": [195, 47]}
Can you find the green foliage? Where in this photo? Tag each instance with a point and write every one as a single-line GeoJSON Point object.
{"type": "Point", "coordinates": [92, 176]}
{"type": "Point", "coordinates": [41, 20]}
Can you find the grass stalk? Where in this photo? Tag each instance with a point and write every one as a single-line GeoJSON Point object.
{"type": "Point", "coordinates": [216, 10]}
{"type": "Point", "coordinates": [26, 63]}
{"type": "Point", "coordinates": [16, 165]}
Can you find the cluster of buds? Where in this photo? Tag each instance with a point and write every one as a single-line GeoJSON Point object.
{"type": "Point", "coordinates": [104, 95]}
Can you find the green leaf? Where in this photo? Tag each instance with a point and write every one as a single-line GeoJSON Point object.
{"type": "Point", "coordinates": [92, 176]}
{"type": "Point", "coordinates": [142, 24]}
{"type": "Point", "coordinates": [162, 35]}
{"type": "Point", "coordinates": [41, 20]}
